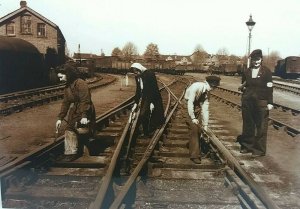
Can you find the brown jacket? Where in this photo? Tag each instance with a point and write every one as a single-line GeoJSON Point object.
{"type": "Point", "coordinates": [77, 100]}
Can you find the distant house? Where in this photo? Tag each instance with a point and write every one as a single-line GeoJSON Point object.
{"type": "Point", "coordinates": [84, 57]}
{"type": "Point", "coordinates": [27, 24]}
{"type": "Point", "coordinates": [178, 59]}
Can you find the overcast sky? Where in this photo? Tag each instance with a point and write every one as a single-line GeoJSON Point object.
{"type": "Point", "coordinates": [176, 26]}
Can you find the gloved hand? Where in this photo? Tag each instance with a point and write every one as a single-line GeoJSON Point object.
{"type": "Point", "coordinates": [270, 106]}
{"type": "Point", "coordinates": [205, 127]}
{"type": "Point", "coordinates": [241, 88]}
{"type": "Point", "coordinates": [134, 107]}
{"type": "Point", "coordinates": [131, 117]}
{"type": "Point", "coordinates": [151, 107]}
{"type": "Point", "coordinates": [84, 121]}
{"type": "Point", "coordinates": [195, 121]}
{"type": "Point", "coordinates": [57, 125]}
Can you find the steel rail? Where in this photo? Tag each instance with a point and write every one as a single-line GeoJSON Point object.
{"type": "Point", "coordinates": [37, 153]}
{"type": "Point", "coordinates": [289, 129]}
{"type": "Point", "coordinates": [37, 91]}
{"type": "Point", "coordinates": [106, 180]}
{"type": "Point", "coordinates": [18, 107]}
{"type": "Point", "coordinates": [294, 111]}
{"type": "Point", "coordinates": [235, 166]}
{"type": "Point", "coordinates": [30, 92]}
{"type": "Point", "coordinates": [283, 87]}
{"type": "Point", "coordinates": [158, 133]}
{"type": "Point", "coordinates": [108, 176]}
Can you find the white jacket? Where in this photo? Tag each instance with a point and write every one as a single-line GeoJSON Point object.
{"type": "Point", "coordinates": [193, 94]}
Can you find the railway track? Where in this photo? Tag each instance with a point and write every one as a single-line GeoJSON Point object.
{"type": "Point", "coordinates": [281, 117]}
{"type": "Point", "coordinates": [18, 101]}
{"type": "Point", "coordinates": [288, 87]}
{"type": "Point", "coordinates": [159, 174]}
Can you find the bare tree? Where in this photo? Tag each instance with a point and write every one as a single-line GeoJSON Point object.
{"type": "Point", "coordinates": [223, 51]}
{"type": "Point", "coordinates": [129, 50]}
{"type": "Point", "coordinates": [199, 55]}
{"type": "Point", "coordinates": [233, 59]}
{"type": "Point", "coordinates": [152, 51]}
{"type": "Point", "coordinates": [102, 53]}
{"type": "Point", "coordinates": [271, 60]}
{"type": "Point", "coordinates": [199, 48]}
{"type": "Point", "coordinates": [116, 52]}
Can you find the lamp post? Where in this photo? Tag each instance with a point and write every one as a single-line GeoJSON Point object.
{"type": "Point", "coordinates": [250, 24]}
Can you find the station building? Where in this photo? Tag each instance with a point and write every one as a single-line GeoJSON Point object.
{"type": "Point", "coordinates": [29, 25]}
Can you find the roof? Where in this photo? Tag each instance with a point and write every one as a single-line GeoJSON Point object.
{"type": "Point", "coordinates": [177, 57]}
{"type": "Point", "coordinates": [28, 9]}
{"type": "Point", "coordinates": [16, 45]}
{"type": "Point", "coordinates": [84, 56]}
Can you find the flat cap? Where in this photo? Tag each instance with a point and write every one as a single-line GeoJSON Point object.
{"type": "Point", "coordinates": [213, 80]}
{"type": "Point", "coordinates": [256, 53]}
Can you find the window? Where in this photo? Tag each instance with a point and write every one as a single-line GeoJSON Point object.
{"type": "Point", "coordinates": [10, 29]}
{"type": "Point", "coordinates": [41, 30]}
{"type": "Point", "coordinates": [26, 24]}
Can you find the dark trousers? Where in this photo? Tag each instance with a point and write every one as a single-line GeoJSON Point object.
{"type": "Point", "coordinates": [194, 142]}
{"type": "Point", "coordinates": [255, 125]}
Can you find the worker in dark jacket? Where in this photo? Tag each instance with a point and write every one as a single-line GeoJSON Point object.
{"type": "Point", "coordinates": [148, 96]}
{"type": "Point", "coordinates": [81, 117]}
{"type": "Point", "coordinates": [257, 99]}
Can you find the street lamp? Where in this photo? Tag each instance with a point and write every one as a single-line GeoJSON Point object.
{"type": "Point", "coordinates": [250, 24]}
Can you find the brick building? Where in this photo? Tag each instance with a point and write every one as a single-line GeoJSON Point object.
{"type": "Point", "coordinates": [27, 24]}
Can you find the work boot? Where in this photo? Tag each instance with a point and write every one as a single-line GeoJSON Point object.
{"type": "Point", "coordinates": [70, 158]}
{"type": "Point", "coordinates": [244, 151]}
{"type": "Point", "coordinates": [196, 160]}
{"type": "Point", "coordinates": [258, 154]}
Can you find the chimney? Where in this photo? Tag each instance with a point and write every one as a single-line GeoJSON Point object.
{"type": "Point", "coordinates": [23, 4]}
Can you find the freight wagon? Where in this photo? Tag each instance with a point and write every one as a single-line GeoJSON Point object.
{"type": "Point", "coordinates": [288, 67]}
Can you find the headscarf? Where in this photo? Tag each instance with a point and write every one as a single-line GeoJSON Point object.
{"type": "Point", "coordinates": [138, 66]}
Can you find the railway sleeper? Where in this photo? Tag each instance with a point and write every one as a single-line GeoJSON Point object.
{"type": "Point", "coordinates": [168, 193]}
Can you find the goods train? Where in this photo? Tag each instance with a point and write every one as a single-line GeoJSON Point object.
{"type": "Point", "coordinates": [21, 66]}
{"type": "Point", "coordinates": [117, 66]}
{"type": "Point", "coordinates": [288, 68]}
{"type": "Point", "coordinates": [228, 69]}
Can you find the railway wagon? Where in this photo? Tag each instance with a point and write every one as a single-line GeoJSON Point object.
{"type": "Point", "coordinates": [228, 69]}
{"type": "Point", "coordinates": [288, 67]}
{"type": "Point", "coordinates": [21, 66]}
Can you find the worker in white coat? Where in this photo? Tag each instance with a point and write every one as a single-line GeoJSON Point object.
{"type": "Point", "coordinates": [196, 97]}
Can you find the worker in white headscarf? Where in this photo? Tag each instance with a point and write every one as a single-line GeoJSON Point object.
{"type": "Point", "coordinates": [148, 95]}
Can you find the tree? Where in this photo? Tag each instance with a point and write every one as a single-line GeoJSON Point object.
{"type": "Point", "coordinates": [151, 51]}
{"type": "Point", "coordinates": [129, 50]}
{"type": "Point", "coordinates": [271, 60]}
{"type": "Point", "coordinates": [233, 59]}
{"type": "Point", "coordinates": [223, 56]}
{"type": "Point", "coordinates": [199, 48]}
{"type": "Point", "coordinates": [116, 52]}
{"type": "Point", "coordinates": [223, 51]}
{"type": "Point", "coordinates": [102, 53]}
{"type": "Point", "coordinates": [199, 56]}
